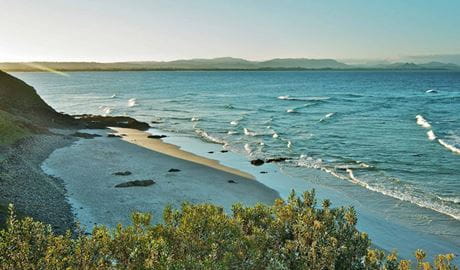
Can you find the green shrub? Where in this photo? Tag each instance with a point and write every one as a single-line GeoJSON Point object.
{"type": "Point", "coordinates": [292, 234]}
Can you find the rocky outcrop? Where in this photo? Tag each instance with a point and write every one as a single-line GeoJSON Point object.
{"type": "Point", "coordinates": [257, 162]}
{"type": "Point", "coordinates": [156, 136]}
{"type": "Point", "coordinates": [136, 183]}
{"type": "Point", "coordinates": [85, 135]}
{"type": "Point", "coordinates": [101, 122]}
{"type": "Point", "coordinates": [125, 173]}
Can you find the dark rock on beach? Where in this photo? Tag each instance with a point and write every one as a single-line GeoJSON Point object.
{"type": "Point", "coordinates": [136, 183]}
{"type": "Point", "coordinates": [125, 173]}
{"type": "Point", "coordinates": [156, 136]}
{"type": "Point", "coordinates": [257, 162]}
{"type": "Point", "coordinates": [173, 170]}
{"type": "Point", "coordinates": [85, 135]}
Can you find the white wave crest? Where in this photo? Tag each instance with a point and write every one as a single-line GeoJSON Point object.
{"type": "Point", "coordinates": [105, 110]}
{"type": "Point", "coordinates": [289, 144]}
{"type": "Point", "coordinates": [422, 121]}
{"type": "Point", "coordinates": [209, 138]}
{"type": "Point", "coordinates": [195, 119]}
{"type": "Point", "coordinates": [431, 135]}
{"type": "Point", "coordinates": [248, 132]}
{"type": "Point", "coordinates": [275, 135]}
{"type": "Point", "coordinates": [248, 148]}
{"type": "Point", "coordinates": [449, 147]}
{"type": "Point", "coordinates": [132, 102]}
{"type": "Point", "coordinates": [113, 96]}
{"type": "Point", "coordinates": [329, 115]}
{"type": "Point", "coordinates": [287, 97]}
{"type": "Point", "coordinates": [234, 123]}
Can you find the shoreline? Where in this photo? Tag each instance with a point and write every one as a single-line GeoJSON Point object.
{"type": "Point", "coordinates": [140, 138]}
{"type": "Point", "coordinates": [88, 167]}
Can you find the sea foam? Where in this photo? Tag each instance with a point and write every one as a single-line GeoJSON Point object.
{"type": "Point", "coordinates": [132, 102]}
{"type": "Point", "coordinates": [422, 121]}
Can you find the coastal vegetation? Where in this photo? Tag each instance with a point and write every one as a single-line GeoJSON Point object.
{"type": "Point", "coordinates": [291, 234]}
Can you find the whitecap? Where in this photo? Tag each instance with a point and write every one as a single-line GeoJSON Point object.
{"type": "Point", "coordinates": [113, 96]}
{"type": "Point", "coordinates": [422, 121]}
{"type": "Point", "coordinates": [132, 102]}
{"type": "Point", "coordinates": [195, 119]}
{"type": "Point", "coordinates": [210, 138]}
{"type": "Point", "coordinates": [106, 110]}
{"type": "Point", "coordinates": [247, 148]}
{"type": "Point", "coordinates": [431, 135]}
{"type": "Point", "coordinates": [289, 144]}
{"type": "Point", "coordinates": [329, 115]}
{"type": "Point", "coordinates": [275, 135]}
{"type": "Point", "coordinates": [248, 132]}
{"type": "Point", "coordinates": [290, 111]}
{"type": "Point", "coordinates": [234, 123]}
{"type": "Point", "coordinates": [449, 147]}
{"type": "Point", "coordinates": [434, 91]}
{"type": "Point", "coordinates": [232, 132]}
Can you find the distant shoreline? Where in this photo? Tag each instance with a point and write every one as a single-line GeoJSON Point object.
{"type": "Point", "coordinates": [242, 70]}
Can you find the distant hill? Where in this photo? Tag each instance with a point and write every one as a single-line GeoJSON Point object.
{"type": "Point", "coordinates": [223, 63]}
{"type": "Point", "coordinates": [303, 63]}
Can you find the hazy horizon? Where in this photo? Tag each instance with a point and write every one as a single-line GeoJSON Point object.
{"type": "Point", "coordinates": [118, 31]}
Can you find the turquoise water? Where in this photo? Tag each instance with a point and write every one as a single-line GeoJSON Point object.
{"type": "Point", "coordinates": [395, 134]}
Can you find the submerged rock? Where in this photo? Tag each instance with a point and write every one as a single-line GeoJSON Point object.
{"type": "Point", "coordinates": [136, 183]}
{"type": "Point", "coordinates": [123, 173]}
{"type": "Point", "coordinates": [257, 162]}
{"type": "Point", "coordinates": [173, 170]}
{"type": "Point", "coordinates": [223, 151]}
{"type": "Point", "coordinates": [85, 135]}
{"type": "Point", "coordinates": [263, 172]}
{"type": "Point", "coordinates": [113, 135]}
{"type": "Point", "coordinates": [211, 152]}
{"type": "Point", "coordinates": [232, 181]}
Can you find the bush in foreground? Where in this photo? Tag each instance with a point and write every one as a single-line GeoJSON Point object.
{"type": "Point", "coordinates": [292, 234]}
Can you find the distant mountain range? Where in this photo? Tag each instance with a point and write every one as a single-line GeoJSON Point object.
{"type": "Point", "coordinates": [223, 63]}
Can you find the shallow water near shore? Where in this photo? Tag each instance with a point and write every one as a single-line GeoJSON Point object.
{"type": "Point", "coordinates": [381, 141]}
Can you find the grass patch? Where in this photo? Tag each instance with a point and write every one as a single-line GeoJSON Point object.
{"type": "Point", "coordinates": [11, 129]}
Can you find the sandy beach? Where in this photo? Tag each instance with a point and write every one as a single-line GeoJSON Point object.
{"type": "Point", "coordinates": [87, 169]}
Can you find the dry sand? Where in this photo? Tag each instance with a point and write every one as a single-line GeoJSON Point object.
{"type": "Point", "coordinates": [88, 165]}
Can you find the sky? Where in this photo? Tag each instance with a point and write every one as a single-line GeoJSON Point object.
{"type": "Point", "coordinates": [141, 30]}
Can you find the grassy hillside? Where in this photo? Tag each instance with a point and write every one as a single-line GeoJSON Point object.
{"type": "Point", "coordinates": [11, 129]}
{"type": "Point", "coordinates": [23, 111]}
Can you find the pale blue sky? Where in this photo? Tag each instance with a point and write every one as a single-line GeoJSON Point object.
{"type": "Point", "coordinates": [114, 30]}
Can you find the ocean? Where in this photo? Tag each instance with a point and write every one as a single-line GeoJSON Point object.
{"type": "Point", "coordinates": [386, 140]}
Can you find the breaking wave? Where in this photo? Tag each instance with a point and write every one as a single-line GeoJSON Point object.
{"type": "Point", "coordinates": [132, 102]}
{"type": "Point", "coordinates": [449, 147]}
{"type": "Point", "coordinates": [422, 121]}
{"type": "Point", "coordinates": [303, 98]}
{"type": "Point", "coordinates": [203, 134]}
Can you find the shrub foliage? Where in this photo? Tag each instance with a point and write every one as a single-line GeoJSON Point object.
{"type": "Point", "coordinates": [292, 234]}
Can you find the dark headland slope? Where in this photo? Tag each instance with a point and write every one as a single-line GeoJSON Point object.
{"type": "Point", "coordinates": [29, 131]}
